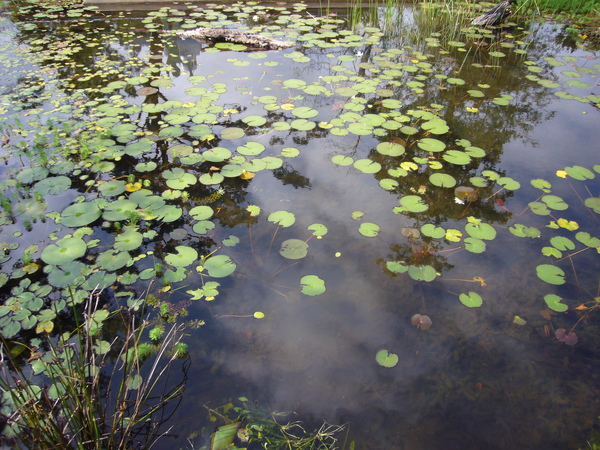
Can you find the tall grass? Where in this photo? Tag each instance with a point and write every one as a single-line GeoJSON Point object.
{"type": "Point", "coordinates": [84, 392]}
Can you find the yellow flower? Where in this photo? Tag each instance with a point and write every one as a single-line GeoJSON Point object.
{"type": "Point", "coordinates": [473, 110]}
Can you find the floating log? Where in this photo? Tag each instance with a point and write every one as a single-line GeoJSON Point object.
{"type": "Point", "coordinates": [494, 16]}
{"type": "Point", "coordinates": [237, 37]}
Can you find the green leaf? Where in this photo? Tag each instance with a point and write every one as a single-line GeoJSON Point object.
{"type": "Point", "coordinates": [219, 266]}
{"type": "Point", "coordinates": [550, 274]}
{"type": "Point", "coordinates": [223, 438]}
{"type": "Point", "coordinates": [318, 229]}
{"type": "Point", "coordinates": [369, 229]}
{"type": "Point", "coordinates": [471, 300]}
{"type": "Point", "coordinates": [386, 359]}
{"type": "Point", "coordinates": [553, 302]}
{"type": "Point", "coordinates": [282, 218]}
{"type": "Point", "coordinates": [312, 285]}
{"type": "Point", "coordinates": [65, 250]}
{"type": "Point", "coordinates": [293, 249]}
{"type": "Point", "coordinates": [413, 203]}
{"type": "Point", "coordinates": [422, 273]}
{"type": "Point", "coordinates": [183, 258]}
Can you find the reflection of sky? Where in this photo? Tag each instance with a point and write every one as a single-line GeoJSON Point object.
{"type": "Point", "coordinates": [316, 354]}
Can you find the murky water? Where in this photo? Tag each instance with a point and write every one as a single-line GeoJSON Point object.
{"type": "Point", "coordinates": [475, 379]}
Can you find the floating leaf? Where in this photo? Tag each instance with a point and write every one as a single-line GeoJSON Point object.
{"type": "Point", "coordinates": [232, 133]}
{"type": "Point", "coordinates": [390, 149]}
{"type": "Point", "coordinates": [183, 258]}
{"type": "Point", "coordinates": [442, 180]}
{"type": "Point", "coordinates": [553, 302]}
{"type": "Point", "coordinates": [65, 250]}
{"type": "Point", "coordinates": [413, 203]}
{"type": "Point", "coordinates": [422, 273]}
{"type": "Point", "coordinates": [396, 266]}
{"type": "Point", "coordinates": [318, 229]}
{"type": "Point", "coordinates": [555, 202]}
{"type": "Point", "coordinates": [550, 274]}
{"type": "Point", "coordinates": [219, 266]}
{"type": "Point", "coordinates": [422, 322]}
{"type": "Point", "coordinates": [471, 300]}
{"type": "Point", "coordinates": [367, 166]}
{"type": "Point", "coordinates": [282, 218]}
{"type": "Point", "coordinates": [433, 231]}
{"type": "Point", "coordinates": [386, 359]}
{"type": "Point", "coordinates": [481, 231]}
{"type": "Point", "coordinates": [293, 249]}
{"type": "Point", "coordinates": [312, 285]}
{"type": "Point", "coordinates": [369, 229]}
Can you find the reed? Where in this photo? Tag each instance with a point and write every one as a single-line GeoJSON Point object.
{"type": "Point", "coordinates": [83, 392]}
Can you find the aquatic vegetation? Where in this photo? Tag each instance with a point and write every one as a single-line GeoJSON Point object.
{"type": "Point", "coordinates": [146, 161]}
{"type": "Point", "coordinates": [82, 404]}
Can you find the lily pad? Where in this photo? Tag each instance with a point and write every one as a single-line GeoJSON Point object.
{"type": "Point", "coordinates": [65, 250]}
{"type": "Point", "coordinates": [550, 274]}
{"type": "Point", "coordinates": [386, 359]}
{"type": "Point", "coordinates": [293, 249]}
{"type": "Point", "coordinates": [312, 285]}
{"type": "Point", "coordinates": [421, 321]}
{"type": "Point", "coordinates": [80, 214]}
{"type": "Point", "coordinates": [219, 266]}
{"type": "Point", "coordinates": [183, 258]}
{"type": "Point", "coordinates": [369, 229]}
{"type": "Point", "coordinates": [471, 300]}
{"type": "Point", "coordinates": [282, 218]}
{"type": "Point", "coordinates": [553, 302]}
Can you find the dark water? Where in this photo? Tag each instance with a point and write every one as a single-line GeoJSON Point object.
{"type": "Point", "coordinates": [475, 379]}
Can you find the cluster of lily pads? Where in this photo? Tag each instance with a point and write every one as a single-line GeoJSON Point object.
{"type": "Point", "coordinates": [132, 170]}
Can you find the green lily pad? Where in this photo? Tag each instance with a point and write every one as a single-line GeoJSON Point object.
{"type": "Point", "coordinates": [282, 218]}
{"type": "Point", "coordinates": [129, 240]}
{"type": "Point", "coordinates": [64, 250]}
{"type": "Point", "coordinates": [580, 173]}
{"type": "Point", "coordinates": [586, 239]}
{"type": "Point", "coordinates": [219, 266]}
{"type": "Point", "coordinates": [422, 273]}
{"type": "Point", "coordinates": [433, 231]}
{"type": "Point", "coordinates": [183, 258]}
{"type": "Point", "coordinates": [593, 203]}
{"type": "Point", "coordinates": [112, 260]}
{"type": "Point", "coordinates": [442, 180]}
{"type": "Point", "coordinates": [550, 274]}
{"type": "Point", "coordinates": [232, 133]}
{"type": "Point", "coordinates": [386, 359]}
{"type": "Point", "coordinates": [312, 285]}
{"type": "Point", "coordinates": [80, 214]}
{"type": "Point", "coordinates": [457, 157]}
{"type": "Point", "coordinates": [481, 231]}
{"type": "Point", "coordinates": [177, 178]}
{"type": "Point", "coordinates": [390, 149]}
{"type": "Point", "coordinates": [369, 229]}
{"type": "Point", "coordinates": [293, 249]}
{"type": "Point", "coordinates": [318, 229]}
{"type": "Point", "coordinates": [555, 202]}
{"type": "Point", "coordinates": [474, 245]}
{"type": "Point", "coordinates": [471, 300]}
{"type": "Point", "coordinates": [553, 302]}
{"type": "Point", "coordinates": [413, 203]}
{"type": "Point", "coordinates": [396, 266]}
{"type": "Point", "coordinates": [53, 185]}
{"type": "Point", "coordinates": [342, 160]}
{"type": "Point", "coordinates": [67, 275]}
{"type": "Point", "coordinates": [431, 145]}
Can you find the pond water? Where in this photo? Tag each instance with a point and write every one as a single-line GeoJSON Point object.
{"type": "Point", "coordinates": [379, 168]}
